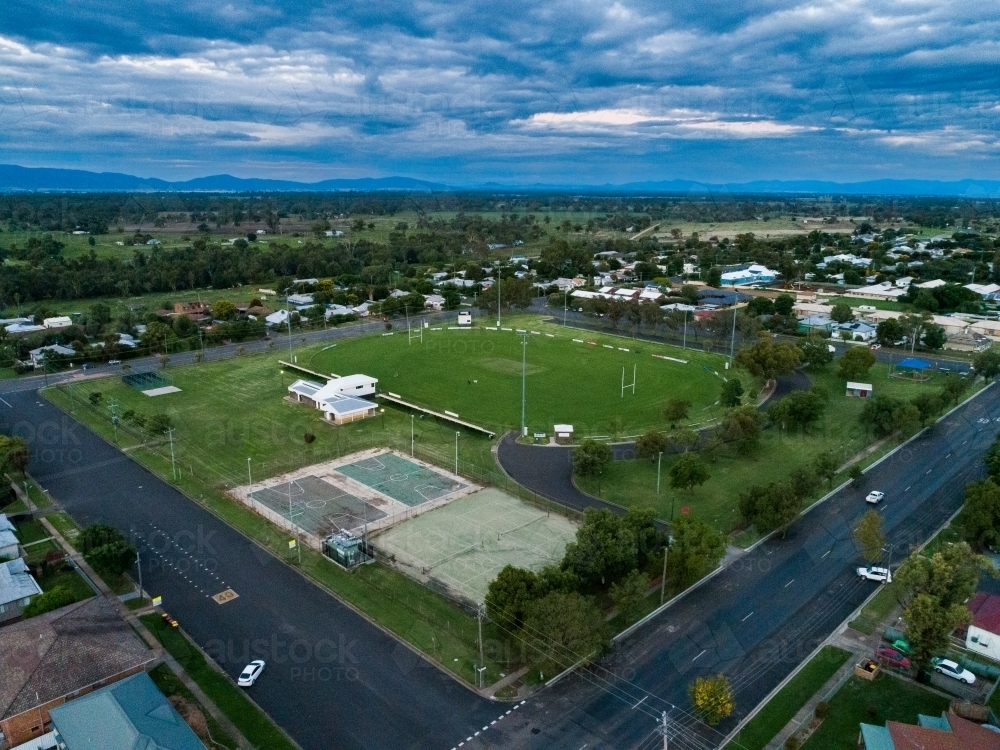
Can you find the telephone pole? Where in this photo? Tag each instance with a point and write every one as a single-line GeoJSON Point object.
{"type": "Point", "coordinates": [173, 466]}
{"type": "Point", "coordinates": [524, 381]}
{"type": "Point", "coordinates": [664, 730]}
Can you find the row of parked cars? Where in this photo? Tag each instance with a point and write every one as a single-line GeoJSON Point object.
{"type": "Point", "coordinates": [896, 655]}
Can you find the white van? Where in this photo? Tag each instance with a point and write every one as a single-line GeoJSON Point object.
{"type": "Point", "coordinates": [465, 318]}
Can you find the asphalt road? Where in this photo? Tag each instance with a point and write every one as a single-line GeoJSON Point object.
{"type": "Point", "coordinates": [332, 678]}
{"type": "Point", "coordinates": [764, 614]}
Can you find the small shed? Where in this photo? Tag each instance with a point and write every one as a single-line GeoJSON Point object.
{"type": "Point", "coordinates": [859, 390]}
{"type": "Point", "coordinates": [564, 433]}
{"type": "Point", "coordinates": [344, 548]}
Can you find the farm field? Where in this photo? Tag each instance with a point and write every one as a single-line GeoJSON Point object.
{"type": "Point", "coordinates": [477, 375]}
{"type": "Point", "coordinates": [633, 483]}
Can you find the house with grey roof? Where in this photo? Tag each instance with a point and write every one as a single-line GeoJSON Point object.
{"type": "Point", "coordinates": [9, 546]}
{"type": "Point", "coordinates": [129, 714]}
{"type": "Point", "coordinates": [17, 588]}
{"type": "Point", "coordinates": [60, 655]}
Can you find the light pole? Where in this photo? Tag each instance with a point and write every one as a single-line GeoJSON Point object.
{"type": "Point", "coordinates": [250, 477]}
{"type": "Point", "coordinates": [659, 460]}
{"type": "Point", "coordinates": [411, 435]}
{"type": "Point", "coordinates": [498, 295]}
{"type": "Point", "coordinates": [524, 380]}
{"type": "Point", "coordinates": [565, 298]}
{"type": "Point", "coordinates": [457, 433]}
{"type": "Point", "coordinates": [685, 344]}
{"type": "Point", "coordinates": [732, 340]}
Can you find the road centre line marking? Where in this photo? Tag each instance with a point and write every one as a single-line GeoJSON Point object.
{"type": "Point", "coordinates": [746, 618]}
{"type": "Point", "coordinates": [907, 489]}
{"type": "Point", "coordinates": [948, 456]}
{"type": "Point", "coordinates": [825, 554]}
{"type": "Point", "coordinates": [6, 404]}
{"type": "Point", "coordinates": [789, 583]}
{"type": "Point", "coordinates": [640, 702]}
{"type": "Point", "coordinates": [700, 655]}
{"type": "Point", "coordinates": [927, 472]}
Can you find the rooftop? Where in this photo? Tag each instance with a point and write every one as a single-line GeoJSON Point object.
{"type": "Point", "coordinates": [65, 650]}
{"type": "Point", "coordinates": [16, 582]}
{"type": "Point", "coordinates": [985, 609]}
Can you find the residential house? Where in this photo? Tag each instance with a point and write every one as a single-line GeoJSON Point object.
{"type": "Point", "coordinates": [37, 356]}
{"type": "Point", "coordinates": [884, 291]}
{"type": "Point", "coordinates": [807, 309]}
{"type": "Point", "coordinates": [945, 732]}
{"type": "Point", "coordinates": [17, 588]}
{"type": "Point", "coordinates": [300, 300]}
{"type": "Point", "coordinates": [362, 310]}
{"type": "Point", "coordinates": [816, 323]}
{"type": "Point", "coordinates": [650, 295]}
{"type": "Point", "coordinates": [752, 274]}
{"type": "Point", "coordinates": [433, 301]}
{"type": "Point", "coordinates": [128, 714]}
{"type": "Point", "coordinates": [197, 311]}
{"type": "Point", "coordinates": [932, 284]}
{"type": "Point", "coordinates": [277, 318]}
{"type": "Point", "coordinates": [988, 328]}
{"type": "Point", "coordinates": [60, 655]}
{"type": "Point", "coordinates": [855, 330]}
{"type": "Point", "coordinates": [62, 321]}
{"type": "Point", "coordinates": [904, 283]}
{"type": "Point", "coordinates": [10, 548]}
{"type": "Point", "coordinates": [983, 290]}
{"type": "Point", "coordinates": [983, 634]}
{"type": "Point", "coordinates": [952, 326]}
{"type": "Point", "coordinates": [333, 310]}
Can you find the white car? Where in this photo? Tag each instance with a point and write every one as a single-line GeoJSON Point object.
{"type": "Point", "coordinates": [950, 669]}
{"type": "Point", "coordinates": [250, 673]}
{"type": "Point", "coordinates": [875, 497]}
{"type": "Point", "coordinates": [875, 574]}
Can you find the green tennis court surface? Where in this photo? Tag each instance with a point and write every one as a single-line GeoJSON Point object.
{"type": "Point", "coordinates": [316, 506]}
{"type": "Point", "coordinates": [402, 480]}
{"type": "Point", "coordinates": [460, 547]}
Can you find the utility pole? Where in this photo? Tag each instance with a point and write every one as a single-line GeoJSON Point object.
{"type": "Point", "coordinates": [138, 562]}
{"type": "Point", "coordinates": [663, 581]}
{"type": "Point", "coordinates": [173, 466]}
{"type": "Point", "coordinates": [732, 340]}
{"type": "Point", "coordinates": [665, 731]}
{"type": "Point", "coordinates": [411, 435]}
{"type": "Point", "coordinates": [524, 379]}
{"type": "Point", "coordinates": [250, 477]}
{"type": "Point", "coordinates": [457, 433]}
{"type": "Point", "coordinates": [288, 319]}
{"type": "Point", "coordinates": [659, 460]}
{"type": "Point", "coordinates": [565, 298]}
{"type": "Point", "coordinates": [113, 408]}
{"type": "Point", "coordinates": [685, 344]}
{"type": "Point", "coordinates": [498, 295]}
{"type": "Point", "coordinates": [479, 617]}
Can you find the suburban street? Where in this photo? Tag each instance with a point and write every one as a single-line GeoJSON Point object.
{"type": "Point", "coordinates": [332, 674]}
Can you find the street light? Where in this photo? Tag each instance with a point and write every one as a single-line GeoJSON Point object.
{"type": "Point", "coordinates": [659, 460]}
{"type": "Point", "coordinates": [411, 435]}
{"type": "Point", "coordinates": [457, 433]}
{"type": "Point", "coordinates": [250, 477]}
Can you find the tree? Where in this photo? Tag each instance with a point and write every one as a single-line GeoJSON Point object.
{"type": "Point", "coordinates": [799, 408]}
{"type": "Point", "coordinates": [769, 507]}
{"type": "Point", "coordinates": [841, 312]}
{"type": "Point", "coordinates": [855, 363]}
{"type": "Point", "coordinates": [889, 331]}
{"type": "Point", "coordinates": [760, 306]}
{"type": "Point", "coordinates": [695, 549]}
{"type": "Point", "coordinates": [987, 363]}
{"type": "Point", "coordinates": [591, 458]}
{"type": "Point", "coordinates": [992, 460]}
{"type": "Point", "coordinates": [816, 352]}
{"type": "Point", "coordinates": [953, 388]}
{"type": "Point", "coordinates": [826, 464]}
{"type": "Point", "coordinates": [714, 277]}
{"type": "Point", "coordinates": [783, 304]}
{"type": "Point", "coordinates": [14, 455]}
{"type": "Point", "coordinates": [159, 424]}
{"type": "Point", "coordinates": [803, 481]}
{"type": "Point", "coordinates": [561, 627]}
{"type": "Point", "coordinates": [980, 520]}
{"type": "Point", "coordinates": [684, 440]}
{"type": "Point", "coordinates": [677, 409]}
{"type": "Point", "coordinates": [629, 592]}
{"type": "Point", "coordinates": [224, 310]}
{"type": "Point", "coordinates": [57, 597]}
{"type": "Point", "coordinates": [868, 536]}
{"type": "Point", "coordinates": [769, 360]}
{"type": "Point", "coordinates": [934, 337]}
{"type": "Point", "coordinates": [650, 445]}
{"type": "Point", "coordinates": [732, 393]}
{"type": "Point", "coordinates": [712, 698]}
{"type": "Point", "coordinates": [928, 406]}
{"type": "Point", "coordinates": [743, 426]}
{"type": "Point", "coordinates": [688, 472]}
{"type": "Point", "coordinates": [510, 594]}
{"type": "Point", "coordinates": [929, 627]}
{"type": "Point", "coordinates": [605, 549]}
{"type": "Point", "coordinates": [111, 560]}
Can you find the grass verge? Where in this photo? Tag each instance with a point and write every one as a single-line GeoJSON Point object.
{"type": "Point", "coordinates": [170, 685]}
{"type": "Point", "coordinates": [782, 708]}
{"type": "Point", "coordinates": [245, 715]}
{"type": "Point", "coordinates": [885, 699]}
{"type": "Point", "coordinates": [874, 614]}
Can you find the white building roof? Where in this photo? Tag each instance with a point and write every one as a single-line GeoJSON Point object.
{"type": "Point", "coordinates": [858, 386]}
{"type": "Point", "coordinates": [879, 291]}
{"type": "Point", "coordinates": [277, 317]}
{"type": "Point", "coordinates": [353, 381]}
{"type": "Point", "coordinates": [306, 388]}
{"type": "Point", "coordinates": [16, 582]}
{"type": "Point", "coordinates": [62, 321]}
{"type": "Point", "coordinates": [932, 284]}
{"type": "Point", "coordinates": [5, 524]}
{"type": "Point", "coordinates": [983, 289]}
{"type": "Point", "coordinates": [344, 406]}
{"type": "Point", "coordinates": [300, 299]}
{"type": "Point", "coordinates": [563, 428]}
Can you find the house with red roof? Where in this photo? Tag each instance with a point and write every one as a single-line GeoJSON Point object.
{"type": "Point", "coordinates": [945, 732]}
{"type": "Point", "coordinates": [983, 636]}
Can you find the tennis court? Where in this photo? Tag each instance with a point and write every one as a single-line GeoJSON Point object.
{"type": "Point", "coordinates": [462, 546]}
{"type": "Point", "coordinates": [317, 506]}
{"type": "Point", "coordinates": [401, 479]}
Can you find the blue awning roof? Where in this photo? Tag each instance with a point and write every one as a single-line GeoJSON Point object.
{"type": "Point", "coordinates": [913, 363]}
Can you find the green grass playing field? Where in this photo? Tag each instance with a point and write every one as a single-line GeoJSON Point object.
{"type": "Point", "coordinates": [477, 375]}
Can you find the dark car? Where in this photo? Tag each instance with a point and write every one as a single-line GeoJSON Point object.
{"type": "Point", "coordinates": [892, 657]}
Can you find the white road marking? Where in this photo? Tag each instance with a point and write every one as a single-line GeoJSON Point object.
{"type": "Point", "coordinates": [6, 404]}
{"type": "Point", "coordinates": [825, 554]}
{"type": "Point", "coordinates": [927, 472]}
{"type": "Point", "coordinates": [948, 456]}
{"type": "Point", "coordinates": [700, 655]}
{"type": "Point", "coordinates": [789, 583]}
{"type": "Point", "coordinates": [907, 489]}
{"type": "Point", "coordinates": [747, 617]}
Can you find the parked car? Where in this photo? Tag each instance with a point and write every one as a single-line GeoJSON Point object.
{"type": "Point", "coordinates": [114, 361]}
{"type": "Point", "coordinates": [250, 673]}
{"type": "Point", "coordinates": [902, 646]}
{"type": "Point", "coordinates": [873, 347]}
{"type": "Point", "coordinates": [952, 669]}
{"type": "Point", "coordinates": [893, 657]}
{"type": "Point", "coordinates": [875, 497]}
{"type": "Point", "coordinates": [872, 573]}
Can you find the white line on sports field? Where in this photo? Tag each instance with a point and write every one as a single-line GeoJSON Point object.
{"type": "Point", "coordinates": [747, 617]}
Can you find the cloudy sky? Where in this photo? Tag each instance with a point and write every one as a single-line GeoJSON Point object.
{"type": "Point", "coordinates": [525, 90]}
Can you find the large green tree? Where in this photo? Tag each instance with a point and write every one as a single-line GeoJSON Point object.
{"type": "Point", "coordinates": [768, 359]}
{"type": "Point", "coordinates": [816, 352]}
{"type": "Point", "coordinates": [591, 458]}
{"type": "Point", "coordinates": [510, 594]}
{"type": "Point", "coordinates": [771, 506]}
{"type": "Point", "coordinates": [855, 363]}
{"type": "Point", "coordinates": [651, 444]}
{"type": "Point", "coordinates": [743, 426]}
{"type": "Point", "coordinates": [689, 471]}
{"type": "Point", "coordinates": [987, 363]}
{"type": "Point", "coordinates": [980, 519]}
{"type": "Point", "coordinates": [695, 549]}
{"type": "Point", "coordinates": [868, 536]}
{"type": "Point", "coordinates": [606, 549]}
{"type": "Point", "coordinates": [562, 628]}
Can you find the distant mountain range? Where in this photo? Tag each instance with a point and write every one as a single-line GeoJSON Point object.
{"type": "Point", "coordinates": [14, 178]}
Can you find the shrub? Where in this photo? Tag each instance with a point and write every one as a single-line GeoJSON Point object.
{"type": "Point", "coordinates": [309, 438]}
{"type": "Point", "coordinates": [793, 743]}
{"type": "Point", "coordinates": [822, 710]}
{"type": "Point", "coordinates": [58, 597]}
